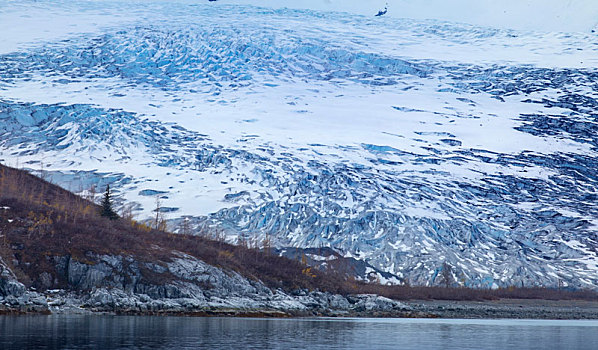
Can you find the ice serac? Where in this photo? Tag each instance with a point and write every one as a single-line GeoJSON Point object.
{"type": "Point", "coordinates": [413, 145]}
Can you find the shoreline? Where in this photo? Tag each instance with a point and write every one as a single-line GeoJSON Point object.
{"type": "Point", "coordinates": [532, 309]}
{"type": "Point", "coordinates": [511, 309]}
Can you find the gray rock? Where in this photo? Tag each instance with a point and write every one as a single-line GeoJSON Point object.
{"type": "Point", "coordinates": [84, 276]}
{"type": "Point", "coordinates": [9, 285]}
{"type": "Point", "coordinates": [371, 302]}
{"type": "Point", "coordinates": [117, 284]}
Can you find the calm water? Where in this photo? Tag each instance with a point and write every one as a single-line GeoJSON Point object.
{"type": "Point", "coordinates": [117, 332]}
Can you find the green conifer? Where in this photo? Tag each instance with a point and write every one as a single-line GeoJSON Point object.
{"type": "Point", "coordinates": [107, 210]}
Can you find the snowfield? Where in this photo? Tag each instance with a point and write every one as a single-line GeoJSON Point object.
{"type": "Point", "coordinates": [406, 142]}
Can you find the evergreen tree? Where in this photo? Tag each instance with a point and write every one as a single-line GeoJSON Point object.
{"type": "Point", "coordinates": [107, 210]}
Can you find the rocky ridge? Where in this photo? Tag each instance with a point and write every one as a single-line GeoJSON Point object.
{"type": "Point", "coordinates": [114, 285]}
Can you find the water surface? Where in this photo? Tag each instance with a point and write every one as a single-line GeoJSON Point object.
{"type": "Point", "coordinates": [140, 332]}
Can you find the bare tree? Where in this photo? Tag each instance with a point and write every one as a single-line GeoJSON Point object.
{"type": "Point", "coordinates": [90, 195]}
{"type": "Point", "coordinates": [446, 275]}
{"type": "Point", "coordinates": [267, 244]}
{"type": "Point", "coordinates": [126, 212]}
{"type": "Point", "coordinates": [157, 210]}
{"type": "Point", "coordinates": [42, 174]}
{"type": "Point", "coordinates": [186, 226]}
{"type": "Point", "coordinates": [159, 222]}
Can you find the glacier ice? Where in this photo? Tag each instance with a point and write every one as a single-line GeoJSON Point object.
{"type": "Point", "coordinates": [405, 143]}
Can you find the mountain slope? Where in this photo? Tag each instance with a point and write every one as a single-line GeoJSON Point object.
{"type": "Point", "coordinates": [408, 144]}
{"type": "Point", "coordinates": [59, 255]}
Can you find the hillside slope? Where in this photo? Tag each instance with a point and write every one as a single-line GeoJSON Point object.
{"type": "Point", "coordinates": [57, 254]}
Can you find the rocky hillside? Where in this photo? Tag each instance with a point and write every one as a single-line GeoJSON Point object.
{"type": "Point", "coordinates": [58, 254]}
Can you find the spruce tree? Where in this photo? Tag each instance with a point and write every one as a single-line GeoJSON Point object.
{"type": "Point", "coordinates": [107, 210]}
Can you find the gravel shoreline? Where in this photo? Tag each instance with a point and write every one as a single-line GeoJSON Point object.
{"type": "Point", "coordinates": [509, 308]}
{"type": "Point", "coordinates": [496, 309]}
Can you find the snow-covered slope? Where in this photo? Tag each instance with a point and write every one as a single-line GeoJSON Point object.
{"type": "Point", "coordinates": [407, 143]}
{"type": "Point", "coordinates": [540, 15]}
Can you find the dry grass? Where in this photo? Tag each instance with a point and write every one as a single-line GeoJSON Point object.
{"type": "Point", "coordinates": [48, 221]}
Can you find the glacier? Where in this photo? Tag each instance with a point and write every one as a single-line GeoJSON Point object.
{"type": "Point", "coordinates": [405, 143]}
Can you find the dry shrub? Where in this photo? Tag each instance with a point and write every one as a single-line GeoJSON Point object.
{"type": "Point", "coordinates": [49, 221]}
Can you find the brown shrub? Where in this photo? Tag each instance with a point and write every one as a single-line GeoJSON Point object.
{"type": "Point", "coordinates": [49, 221]}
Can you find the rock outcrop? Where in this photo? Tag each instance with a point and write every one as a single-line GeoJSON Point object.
{"type": "Point", "coordinates": [185, 285]}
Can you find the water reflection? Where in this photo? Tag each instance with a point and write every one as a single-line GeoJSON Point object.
{"type": "Point", "coordinates": [117, 332]}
